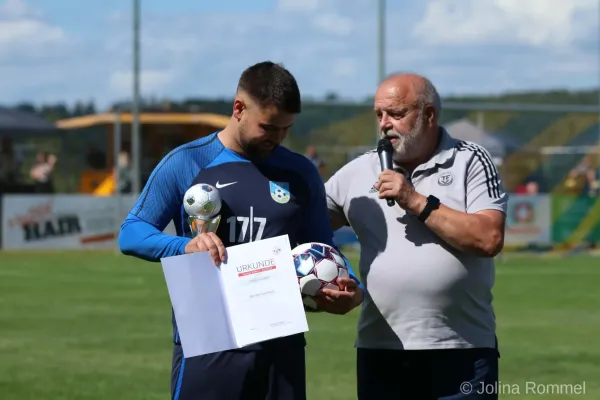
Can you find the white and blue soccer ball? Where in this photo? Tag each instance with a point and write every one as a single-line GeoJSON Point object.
{"type": "Point", "coordinates": [202, 200]}
{"type": "Point", "coordinates": [318, 266]}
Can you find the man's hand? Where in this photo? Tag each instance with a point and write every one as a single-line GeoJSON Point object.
{"type": "Point", "coordinates": [394, 185]}
{"type": "Point", "coordinates": [340, 301]}
{"type": "Point", "coordinates": [208, 242]}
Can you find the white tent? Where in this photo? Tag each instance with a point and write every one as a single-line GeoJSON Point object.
{"type": "Point", "coordinates": [463, 129]}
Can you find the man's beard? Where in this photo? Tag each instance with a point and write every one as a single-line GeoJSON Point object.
{"type": "Point", "coordinates": [254, 149]}
{"type": "Point", "coordinates": [407, 145]}
{"type": "Point", "coordinates": [255, 152]}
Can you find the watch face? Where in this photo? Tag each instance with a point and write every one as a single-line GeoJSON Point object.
{"type": "Point", "coordinates": [433, 200]}
{"type": "Point", "coordinates": [432, 204]}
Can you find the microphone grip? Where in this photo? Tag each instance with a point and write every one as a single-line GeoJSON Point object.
{"type": "Point", "coordinates": [385, 160]}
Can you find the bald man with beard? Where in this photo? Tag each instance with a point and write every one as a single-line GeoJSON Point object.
{"type": "Point", "coordinates": [427, 327]}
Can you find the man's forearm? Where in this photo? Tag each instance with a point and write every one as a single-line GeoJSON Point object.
{"type": "Point", "coordinates": [469, 233]}
{"type": "Point", "coordinates": [140, 239]}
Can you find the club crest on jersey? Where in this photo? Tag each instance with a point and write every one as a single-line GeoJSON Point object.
{"type": "Point", "coordinates": [446, 179]}
{"type": "Point", "coordinates": [280, 191]}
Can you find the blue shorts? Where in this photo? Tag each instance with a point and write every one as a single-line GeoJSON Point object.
{"type": "Point", "coordinates": [449, 374]}
{"type": "Point", "coordinates": [265, 374]}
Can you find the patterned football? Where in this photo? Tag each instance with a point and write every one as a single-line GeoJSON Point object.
{"type": "Point", "coordinates": [318, 266]}
{"type": "Point", "coordinates": [202, 200]}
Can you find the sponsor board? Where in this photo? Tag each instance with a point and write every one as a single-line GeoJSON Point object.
{"type": "Point", "coordinates": [63, 221]}
{"type": "Point", "coordinates": [528, 220]}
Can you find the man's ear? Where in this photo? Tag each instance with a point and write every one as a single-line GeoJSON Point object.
{"type": "Point", "coordinates": [239, 106]}
{"type": "Point", "coordinates": [430, 115]}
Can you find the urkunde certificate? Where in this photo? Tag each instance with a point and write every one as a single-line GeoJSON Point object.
{"type": "Point", "coordinates": [252, 297]}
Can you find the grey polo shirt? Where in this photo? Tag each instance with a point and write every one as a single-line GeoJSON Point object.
{"type": "Point", "coordinates": [420, 292]}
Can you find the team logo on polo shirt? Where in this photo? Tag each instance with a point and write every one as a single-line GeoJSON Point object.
{"type": "Point", "coordinates": [373, 190]}
{"type": "Point", "coordinates": [446, 179]}
{"type": "Point", "coordinates": [280, 191]}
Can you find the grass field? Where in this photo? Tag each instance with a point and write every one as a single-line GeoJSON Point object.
{"type": "Point", "coordinates": [96, 325]}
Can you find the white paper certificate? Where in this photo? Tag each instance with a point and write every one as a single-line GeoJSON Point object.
{"type": "Point", "coordinates": [253, 297]}
{"type": "Point", "coordinates": [262, 292]}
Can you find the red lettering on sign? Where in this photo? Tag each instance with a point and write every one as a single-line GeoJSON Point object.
{"type": "Point", "coordinates": [34, 214]}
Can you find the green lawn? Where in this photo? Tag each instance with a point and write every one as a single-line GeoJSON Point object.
{"type": "Point", "coordinates": [77, 325]}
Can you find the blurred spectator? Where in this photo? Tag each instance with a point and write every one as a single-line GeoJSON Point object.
{"type": "Point", "coordinates": [573, 182]}
{"type": "Point", "coordinates": [41, 172]}
{"type": "Point", "coordinates": [593, 182]}
{"type": "Point", "coordinates": [124, 173]}
{"type": "Point", "coordinates": [6, 161]}
{"type": "Point", "coordinates": [532, 188]}
{"type": "Point", "coordinates": [312, 155]}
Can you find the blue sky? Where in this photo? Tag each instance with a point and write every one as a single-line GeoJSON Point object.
{"type": "Point", "coordinates": [64, 50]}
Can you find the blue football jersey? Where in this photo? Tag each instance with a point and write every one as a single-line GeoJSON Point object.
{"type": "Point", "coordinates": [284, 194]}
{"type": "Point", "coordinates": [266, 200]}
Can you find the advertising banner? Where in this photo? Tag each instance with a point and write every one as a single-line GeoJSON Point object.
{"type": "Point", "coordinates": [63, 221]}
{"type": "Point", "coordinates": [529, 220]}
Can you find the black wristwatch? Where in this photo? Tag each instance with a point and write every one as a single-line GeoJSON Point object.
{"type": "Point", "coordinates": [433, 203]}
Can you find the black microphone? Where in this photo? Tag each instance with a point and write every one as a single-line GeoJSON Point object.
{"type": "Point", "coordinates": [385, 151]}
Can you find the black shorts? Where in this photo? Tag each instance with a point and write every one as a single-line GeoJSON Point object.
{"type": "Point", "coordinates": [455, 374]}
{"type": "Point", "coordinates": [265, 374]}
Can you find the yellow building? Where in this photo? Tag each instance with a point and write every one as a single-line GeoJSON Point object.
{"type": "Point", "coordinates": [90, 146]}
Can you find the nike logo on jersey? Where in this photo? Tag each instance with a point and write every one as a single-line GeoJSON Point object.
{"type": "Point", "coordinates": [219, 186]}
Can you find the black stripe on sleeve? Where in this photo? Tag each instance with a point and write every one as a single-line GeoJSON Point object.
{"type": "Point", "coordinates": [491, 173]}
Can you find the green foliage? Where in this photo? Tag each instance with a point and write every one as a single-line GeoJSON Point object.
{"type": "Point", "coordinates": [584, 97]}
{"type": "Point", "coordinates": [315, 114]}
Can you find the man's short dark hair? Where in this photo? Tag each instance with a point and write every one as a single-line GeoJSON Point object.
{"type": "Point", "coordinates": [271, 85]}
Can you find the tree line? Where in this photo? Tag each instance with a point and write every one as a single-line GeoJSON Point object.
{"type": "Point", "coordinates": [62, 110]}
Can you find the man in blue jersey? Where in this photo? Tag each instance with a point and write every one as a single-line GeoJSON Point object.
{"type": "Point", "coordinates": [244, 162]}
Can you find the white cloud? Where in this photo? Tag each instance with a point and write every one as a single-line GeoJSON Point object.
{"type": "Point", "coordinates": [208, 55]}
{"type": "Point", "coordinates": [14, 9]}
{"type": "Point", "coordinates": [462, 45]}
{"type": "Point", "coordinates": [487, 46]}
{"type": "Point", "coordinates": [316, 6]}
{"type": "Point", "coordinates": [296, 5]}
{"type": "Point", "coordinates": [346, 67]}
{"type": "Point", "coordinates": [334, 23]}
{"type": "Point", "coordinates": [152, 81]}
{"type": "Point", "coordinates": [553, 23]}
{"type": "Point", "coordinates": [22, 28]}
{"type": "Point", "coordinates": [29, 32]}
